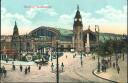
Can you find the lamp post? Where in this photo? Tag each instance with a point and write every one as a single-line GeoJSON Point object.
{"type": "Point", "coordinates": [97, 32]}
{"type": "Point", "coordinates": [20, 47]}
{"type": "Point", "coordinates": [81, 59]}
{"type": "Point", "coordinates": [57, 74]}
{"type": "Point", "coordinates": [116, 50]}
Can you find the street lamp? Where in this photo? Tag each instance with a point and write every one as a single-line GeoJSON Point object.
{"type": "Point", "coordinates": [20, 47]}
{"type": "Point", "coordinates": [97, 32]}
{"type": "Point", "coordinates": [57, 74]}
{"type": "Point", "coordinates": [116, 50]}
{"type": "Point", "coordinates": [81, 59]}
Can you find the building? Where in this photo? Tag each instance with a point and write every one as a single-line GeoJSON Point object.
{"type": "Point", "coordinates": [45, 36]}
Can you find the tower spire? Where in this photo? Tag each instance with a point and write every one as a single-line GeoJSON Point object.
{"type": "Point", "coordinates": [15, 25]}
{"type": "Point", "coordinates": [15, 22]}
{"type": "Point", "coordinates": [77, 7]}
{"type": "Point", "coordinates": [15, 30]}
{"type": "Point", "coordinates": [89, 27]}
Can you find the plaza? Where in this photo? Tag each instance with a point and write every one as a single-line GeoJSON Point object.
{"type": "Point", "coordinates": [73, 71]}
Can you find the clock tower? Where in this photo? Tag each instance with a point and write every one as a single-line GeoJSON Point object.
{"type": "Point", "coordinates": [78, 31]}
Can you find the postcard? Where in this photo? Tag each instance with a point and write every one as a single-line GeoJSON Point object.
{"type": "Point", "coordinates": [63, 41]}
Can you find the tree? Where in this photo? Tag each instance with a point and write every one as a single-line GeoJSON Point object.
{"type": "Point", "coordinates": [105, 50]}
{"type": "Point", "coordinates": [124, 48]}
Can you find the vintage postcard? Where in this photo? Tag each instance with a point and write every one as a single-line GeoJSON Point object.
{"type": "Point", "coordinates": [63, 41]}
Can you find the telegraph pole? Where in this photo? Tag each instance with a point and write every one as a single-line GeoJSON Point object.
{"type": "Point", "coordinates": [20, 47]}
{"type": "Point", "coordinates": [97, 31]}
{"type": "Point", "coordinates": [57, 72]}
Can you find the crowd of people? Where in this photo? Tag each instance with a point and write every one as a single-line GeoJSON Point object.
{"type": "Point", "coordinates": [105, 64]}
{"type": "Point", "coordinates": [62, 66]}
{"type": "Point", "coordinates": [26, 70]}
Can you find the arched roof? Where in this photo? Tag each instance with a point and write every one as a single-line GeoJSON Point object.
{"type": "Point", "coordinates": [50, 29]}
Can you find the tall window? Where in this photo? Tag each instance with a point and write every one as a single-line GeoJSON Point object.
{"type": "Point", "coordinates": [80, 35]}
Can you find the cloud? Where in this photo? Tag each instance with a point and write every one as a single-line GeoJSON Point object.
{"type": "Point", "coordinates": [113, 15]}
{"type": "Point", "coordinates": [31, 13]}
{"type": "Point", "coordinates": [108, 19]}
{"type": "Point", "coordinates": [8, 20]}
{"type": "Point", "coordinates": [51, 12]}
{"type": "Point", "coordinates": [24, 21]}
{"type": "Point", "coordinates": [8, 16]}
{"type": "Point", "coordinates": [65, 18]}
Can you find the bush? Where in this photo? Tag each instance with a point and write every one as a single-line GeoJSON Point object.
{"type": "Point", "coordinates": [35, 58]}
{"type": "Point", "coordinates": [38, 56]}
{"type": "Point", "coordinates": [24, 58]}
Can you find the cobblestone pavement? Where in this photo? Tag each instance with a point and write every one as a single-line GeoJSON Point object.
{"type": "Point", "coordinates": [73, 71]}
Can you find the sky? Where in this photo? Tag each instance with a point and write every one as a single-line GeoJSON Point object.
{"type": "Point", "coordinates": [110, 15]}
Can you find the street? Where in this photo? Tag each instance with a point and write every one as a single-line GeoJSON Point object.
{"type": "Point", "coordinates": [73, 71]}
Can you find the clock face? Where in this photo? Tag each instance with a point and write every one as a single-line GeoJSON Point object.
{"type": "Point", "coordinates": [80, 19]}
{"type": "Point", "coordinates": [75, 19]}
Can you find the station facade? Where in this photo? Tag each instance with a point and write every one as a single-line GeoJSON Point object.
{"type": "Point", "coordinates": [45, 36]}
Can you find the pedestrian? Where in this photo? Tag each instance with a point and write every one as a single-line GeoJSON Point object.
{"type": "Point", "coordinates": [117, 65]}
{"type": "Point", "coordinates": [21, 68]}
{"type": "Point", "coordinates": [84, 54]}
{"type": "Point", "coordinates": [105, 68]}
{"type": "Point", "coordinates": [5, 73]}
{"type": "Point", "coordinates": [62, 65]}
{"type": "Point", "coordinates": [3, 68]}
{"type": "Point", "coordinates": [118, 69]}
{"type": "Point", "coordinates": [66, 56]}
{"type": "Point", "coordinates": [113, 65]}
{"type": "Point", "coordinates": [123, 56]}
{"type": "Point", "coordinates": [1, 72]}
{"type": "Point", "coordinates": [110, 64]}
{"type": "Point", "coordinates": [29, 68]}
{"type": "Point", "coordinates": [39, 67]}
{"type": "Point", "coordinates": [102, 68]}
{"type": "Point", "coordinates": [73, 56]}
{"type": "Point", "coordinates": [106, 64]}
{"type": "Point", "coordinates": [25, 70]}
{"type": "Point", "coordinates": [94, 57]}
{"type": "Point", "coordinates": [52, 66]}
{"type": "Point", "coordinates": [81, 63]}
{"type": "Point", "coordinates": [13, 67]}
